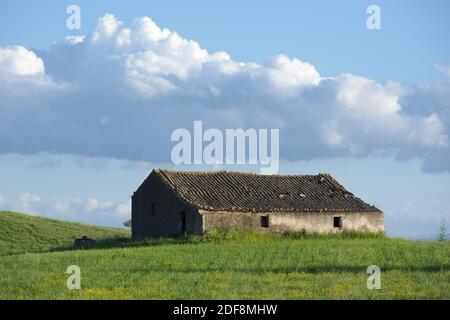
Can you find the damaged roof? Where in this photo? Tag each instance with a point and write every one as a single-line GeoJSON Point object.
{"type": "Point", "coordinates": [249, 192]}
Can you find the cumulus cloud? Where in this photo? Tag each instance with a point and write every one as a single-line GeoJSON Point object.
{"type": "Point", "coordinates": [91, 210]}
{"type": "Point", "coordinates": [122, 89]}
{"type": "Point", "coordinates": [16, 60]}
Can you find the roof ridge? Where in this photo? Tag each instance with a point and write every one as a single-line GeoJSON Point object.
{"type": "Point", "coordinates": [162, 170]}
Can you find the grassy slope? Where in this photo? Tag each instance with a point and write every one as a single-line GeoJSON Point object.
{"type": "Point", "coordinates": [252, 267]}
{"type": "Point", "coordinates": [20, 233]}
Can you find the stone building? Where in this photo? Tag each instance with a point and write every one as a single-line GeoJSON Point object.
{"type": "Point", "coordinates": [176, 202]}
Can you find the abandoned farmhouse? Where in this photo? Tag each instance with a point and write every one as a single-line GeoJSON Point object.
{"type": "Point", "coordinates": [176, 202]}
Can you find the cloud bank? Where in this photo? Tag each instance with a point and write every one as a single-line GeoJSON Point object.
{"type": "Point", "coordinates": [91, 210]}
{"type": "Point", "coordinates": [121, 90]}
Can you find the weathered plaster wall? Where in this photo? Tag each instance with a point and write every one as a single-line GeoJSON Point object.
{"type": "Point", "coordinates": [291, 222]}
{"type": "Point", "coordinates": [167, 218]}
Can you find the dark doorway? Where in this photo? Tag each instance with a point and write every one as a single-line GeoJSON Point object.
{"type": "Point", "coordinates": [183, 222]}
{"type": "Point", "coordinates": [337, 222]}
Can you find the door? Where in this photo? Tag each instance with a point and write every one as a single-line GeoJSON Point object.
{"type": "Point", "coordinates": [183, 221]}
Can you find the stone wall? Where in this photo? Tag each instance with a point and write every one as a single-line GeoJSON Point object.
{"type": "Point", "coordinates": [313, 222]}
{"type": "Point", "coordinates": [165, 220]}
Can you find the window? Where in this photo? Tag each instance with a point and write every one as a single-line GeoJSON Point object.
{"type": "Point", "coordinates": [264, 221]}
{"type": "Point", "coordinates": [183, 221]}
{"type": "Point", "coordinates": [337, 222]}
{"type": "Point", "coordinates": [153, 208]}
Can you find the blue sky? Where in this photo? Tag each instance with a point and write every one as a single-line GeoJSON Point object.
{"type": "Point", "coordinates": [369, 106]}
{"type": "Point", "coordinates": [331, 34]}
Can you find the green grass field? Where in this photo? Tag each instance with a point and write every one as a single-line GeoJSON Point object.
{"type": "Point", "coordinates": [235, 265]}
{"type": "Point", "coordinates": [20, 233]}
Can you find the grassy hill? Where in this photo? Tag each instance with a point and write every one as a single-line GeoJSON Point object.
{"type": "Point", "coordinates": [20, 233]}
{"type": "Point", "coordinates": [236, 266]}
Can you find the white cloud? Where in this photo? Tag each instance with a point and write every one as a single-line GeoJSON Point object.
{"type": "Point", "coordinates": [23, 77]}
{"type": "Point", "coordinates": [287, 73]}
{"type": "Point", "coordinates": [61, 206]}
{"type": "Point", "coordinates": [17, 60]}
{"type": "Point", "coordinates": [94, 204]}
{"type": "Point", "coordinates": [131, 85]}
{"type": "Point", "coordinates": [123, 210]}
{"type": "Point", "coordinates": [74, 39]}
{"type": "Point", "coordinates": [26, 199]}
{"type": "Point", "coordinates": [91, 210]}
{"type": "Point", "coordinates": [107, 27]}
